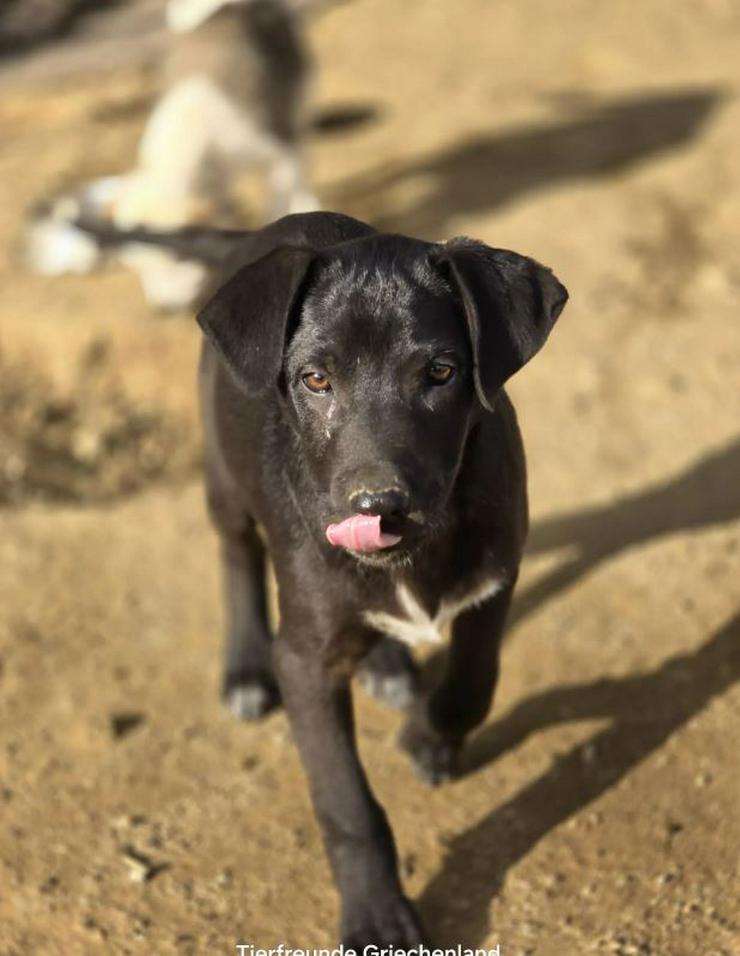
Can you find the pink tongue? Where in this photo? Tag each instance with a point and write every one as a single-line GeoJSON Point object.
{"type": "Point", "coordinates": [360, 533]}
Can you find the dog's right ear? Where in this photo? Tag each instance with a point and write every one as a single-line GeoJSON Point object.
{"type": "Point", "coordinates": [248, 319]}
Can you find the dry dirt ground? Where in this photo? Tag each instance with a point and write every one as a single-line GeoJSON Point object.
{"type": "Point", "coordinates": [599, 811]}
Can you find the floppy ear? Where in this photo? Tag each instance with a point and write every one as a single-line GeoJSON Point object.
{"type": "Point", "coordinates": [510, 301]}
{"type": "Point", "coordinates": [247, 320]}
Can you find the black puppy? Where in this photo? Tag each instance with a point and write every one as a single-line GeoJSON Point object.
{"type": "Point", "coordinates": [346, 374]}
{"type": "Point", "coordinates": [352, 384]}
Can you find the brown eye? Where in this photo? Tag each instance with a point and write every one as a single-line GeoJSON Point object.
{"type": "Point", "coordinates": [317, 383]}
{"type": "Point", "coordinates": [439, 373]}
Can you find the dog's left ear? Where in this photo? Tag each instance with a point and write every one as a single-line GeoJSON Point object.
{"type": "Point", "coordinates": [248, 319]}
{"type": "Point", "coordinates": [510, 301]}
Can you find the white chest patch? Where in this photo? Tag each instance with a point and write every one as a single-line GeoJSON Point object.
{"type": "Point", "coordinates": [414, 625]}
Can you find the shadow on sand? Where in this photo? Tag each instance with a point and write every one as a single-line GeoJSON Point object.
{"type": "Point", "coordinates": [707, 493]}
{"type": "Point", "coordinates": [487, 171]}
{"type": "Point", "coordinates": [644, 709]}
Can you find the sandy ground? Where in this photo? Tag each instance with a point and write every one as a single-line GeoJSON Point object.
{"type": "Point", "coordinates": [599, 813]}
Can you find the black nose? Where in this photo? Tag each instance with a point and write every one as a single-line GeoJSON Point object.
{"type": "Point", "coordinates": [388, 502]}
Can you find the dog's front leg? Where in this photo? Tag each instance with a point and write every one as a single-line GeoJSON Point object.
{"type": "Point", "coordinates": [435, 734]}
{"type": "Point", "coordinates": [249, 686]}
{"type": "Point", "coordinates": [358, 839]}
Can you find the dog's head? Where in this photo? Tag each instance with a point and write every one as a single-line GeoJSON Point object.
{"type": "Point", "coordinates": [385, 351]}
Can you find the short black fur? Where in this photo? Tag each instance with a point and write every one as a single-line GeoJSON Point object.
{"type": "Point", "coordinates": [322, 298]}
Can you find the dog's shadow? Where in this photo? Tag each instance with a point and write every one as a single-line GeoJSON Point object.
{"type": "Point", "coordinates": [705, 494]}
{"type": "Point", "coordinates": [487, 171]}
{"type": "Point", "coordinates": [643, 709]}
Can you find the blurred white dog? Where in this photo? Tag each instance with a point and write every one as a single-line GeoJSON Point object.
{"type": "Point", "coordinates": [236, 84]}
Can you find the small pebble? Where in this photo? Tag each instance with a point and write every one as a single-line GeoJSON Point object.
{"type": "Point", "coordinates": [141, 868]}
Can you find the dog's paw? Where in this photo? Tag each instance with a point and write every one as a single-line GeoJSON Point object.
{"type": "Point", "coordinates": [436, 759]}
{"type": "Point", "coordinates": [391, 923]}
{"type": "Point", "coordinates": [389, 674]}
{"type": "Point", "coordinates": [395, 690]}
{"type": "Point", "coordinates": [250, 699]}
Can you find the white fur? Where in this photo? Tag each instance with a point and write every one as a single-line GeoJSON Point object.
{"type": "Point", "coordinates": [416, 625]}
{"type": "Point", "coordinates": [54, 248]}
{"type": "Point", "coordinates": [185, 15]}
{"type": "Point", "coordinates": [167, 283]}
{"type": "Point", "coordinates": [55, 245]}
{"type": "Point", "coordinates": [194, 125]}
{"type": "Point", "coordinates": [196, 138]}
